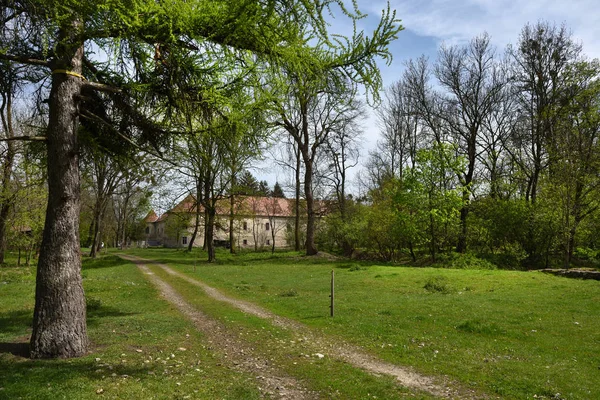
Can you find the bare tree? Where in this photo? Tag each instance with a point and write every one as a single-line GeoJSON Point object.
{"type": "Point", "coordinates": [473, 83]}
{"type": "Point", "coordinates": [539, 63]}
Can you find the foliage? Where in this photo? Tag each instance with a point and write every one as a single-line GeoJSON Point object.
{"type": "Point", "coordinates": [464, 261]}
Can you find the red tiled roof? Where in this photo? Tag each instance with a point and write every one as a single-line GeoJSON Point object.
{"type": "Point", "coordinates": [269, 206]}
{"type": "Point", "coordinates": [243, 206]}
{"type": "Point", "coordinates": [151, 217]}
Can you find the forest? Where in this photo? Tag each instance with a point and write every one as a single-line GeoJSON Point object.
{"type": "Point", "coordinates": [485, 156]}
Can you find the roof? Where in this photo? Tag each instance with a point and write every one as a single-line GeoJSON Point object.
{"type": "Point", "coordinates": [151, 217]}
{"type": "Point", "coordinates": [243, 206]}
{"type": "Point", "coordinates": [268, 206]}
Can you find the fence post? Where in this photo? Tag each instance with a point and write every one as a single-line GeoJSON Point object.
{"type": "Point", "coordinates": [332, 292]}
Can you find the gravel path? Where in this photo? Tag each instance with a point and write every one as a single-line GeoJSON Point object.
{"type": "Point", "coordinates": [271, 381]}
{"type": "Point", "coordinates": [311, 343]}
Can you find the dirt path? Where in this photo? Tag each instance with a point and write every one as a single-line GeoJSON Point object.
{"type": "Point", "coordinates": [311, 342]}
{"type": "Point", "coordinates": [238, 354]}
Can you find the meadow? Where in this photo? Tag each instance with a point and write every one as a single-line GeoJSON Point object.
{"type": "Point", "coordinates": [503, 334]}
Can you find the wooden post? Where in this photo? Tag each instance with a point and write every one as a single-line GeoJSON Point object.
{"type": "Point", "coordinates": [332, 291]}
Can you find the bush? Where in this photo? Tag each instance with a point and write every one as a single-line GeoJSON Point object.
{"type": "Point", "coordinates": [464, 261]}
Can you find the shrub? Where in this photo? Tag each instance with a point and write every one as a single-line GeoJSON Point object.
{"type": "Point", "coordinates": [464, 261]}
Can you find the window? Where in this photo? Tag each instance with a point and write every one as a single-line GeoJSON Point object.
{"type": "Point", "coordinates": [184, 240]}
{"type": "Point", "coordinates": [147, 230]}
{"type": "Point", "coordinates": [245, 226]}
{"type": "Point", "coordinates": [245, 242]}
{"type": "Point", "coordinates": [267, 227]}
{"type": "Point", "coordinates": [268, 242]}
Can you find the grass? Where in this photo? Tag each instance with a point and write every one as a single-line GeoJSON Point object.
{"type": "Point", "coordinates": [331, 378]}
{"type": "Point", "coordinates": [141, 347]}
{"type": "Point", "coordinates": [506, 333]}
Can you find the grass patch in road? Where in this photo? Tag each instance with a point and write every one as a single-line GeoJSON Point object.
{"type": "Point", "coordinates": [141, 346]}
{"type": "Point", "coordinates": [507, 333]}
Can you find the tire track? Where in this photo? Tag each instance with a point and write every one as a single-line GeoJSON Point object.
{"type": "Point", "coordinates": [337, 349]}
{"type": "Point", "coordinates": [271, 381]}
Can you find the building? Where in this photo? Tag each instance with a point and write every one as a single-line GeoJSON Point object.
{"type": "Point", "coordinates": [258, 222]}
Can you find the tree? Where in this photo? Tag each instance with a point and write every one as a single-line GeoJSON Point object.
{"type": "Point", "coordinates": [263, 189]}
{"type": "Point", "coordinates": [174, 34]}
{"type": "Point", "coordinates": [576, 178]}
{"type": "Point", "coordinates": [8, 150]}
{"type": "Point", "coordinates": [105, 176]}
{"type": "Point", "coordinates": [274, 209]}
{"type": "Point", "coordinates": [401, 133]}
{"type": "Point", "coordinates": [539, 63]}
{"type": "Point", "coordinates": [130, 203]}
{"type": "Point", "coordinates": [278, 191]}
{"type": "Point", "coordinates": [341, 151]}
{"type": "Point", "coordinates": [247, 184]}
{"type": "Point", "coordinates": [474, 83]}
{"type": "Point", "coordinates": [334, 72]}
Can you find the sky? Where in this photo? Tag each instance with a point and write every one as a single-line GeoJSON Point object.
{"type": "Point", "coordinates": [430, 23]}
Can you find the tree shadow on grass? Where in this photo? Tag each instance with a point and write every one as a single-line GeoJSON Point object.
{"type": "Point", "coordinates": [47, 379]}
{"type": "Point", "coordinates": [18, 349]}
{"type": "Point", "coordinates": [16, 322]}
{"type": "Point", "coordinates": [97, 313]}
{"type": "Point", "coordinates": [109, 261]}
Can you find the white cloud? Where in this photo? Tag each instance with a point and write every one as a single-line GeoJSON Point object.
{"type": "Point", "coordinates": [459, 21]}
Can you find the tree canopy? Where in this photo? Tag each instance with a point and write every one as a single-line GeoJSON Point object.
{"type": "Point", "coordinates": [129, 66]}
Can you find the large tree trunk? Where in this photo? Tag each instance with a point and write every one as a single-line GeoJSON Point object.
{"type": "Point", "coordinates": [59, 320]}
{"type": "Point", "coordinates": [7, 168]}
{"type": "Point", "coordinates": [210, 229]}
{"type": "Point", "coordinates": [95, 246]}
{"type": "Point", "coordinates": [297, 205]}
{"type": "Point", "coordinates": [461, 246]}
{"type": "Point", "coordinates": [195, 232]}
{"type": "Point", "coordinates": [311, 249]}
{"type": "Point", "coordinates": [5, 198]}
{"type": "Point", "coordinates": [197, 216]}
{"type": "Point", "coordinates": [231, 224]}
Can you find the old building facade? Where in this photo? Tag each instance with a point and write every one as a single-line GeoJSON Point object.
{"type": "Point", "coordinates": [258, 222]}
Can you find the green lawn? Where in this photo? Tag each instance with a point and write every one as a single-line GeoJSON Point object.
{"type": "Point", "coordinates": [510, 334]}
{"type": "Point", "coordinates": [141, 347]}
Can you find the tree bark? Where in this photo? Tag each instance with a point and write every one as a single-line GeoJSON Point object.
{"type": "Point", "coordinates": [297, 205]}
{"type": "Point", "coordinates": [311, 249]}
{"type": "Point", "coordinates": [197, 217]}
{"type": "Point", "coordinates": [59, 320]}
{"type": "Point", "coordinates": [210, 244]}
{"type": "Point", "coordinates": [95, 246]}
{"type": "Point", "coordinates": [7, 168]}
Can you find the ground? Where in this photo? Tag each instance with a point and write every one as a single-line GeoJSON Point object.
{"type": "Point", "coordinates": [270, 379]}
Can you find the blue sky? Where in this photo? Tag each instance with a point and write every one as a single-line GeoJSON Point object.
{"type": "Point", "coordinates": [429, 23]}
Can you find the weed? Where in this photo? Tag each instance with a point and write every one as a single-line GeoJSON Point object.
{"type": "Point", "coordinates": [437, 284]}
{"type": "Point", "coordinates": [356, 268]}
{"type": "Point", "coordinates": [288, 293]}
{"type": "Point", "coordinates": [478, 326]}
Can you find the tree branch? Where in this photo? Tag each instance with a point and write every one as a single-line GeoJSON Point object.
{"type": "Point", "coordinates": [24, 60]}
{"type": "Point", "coordinates": [29, 138]}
